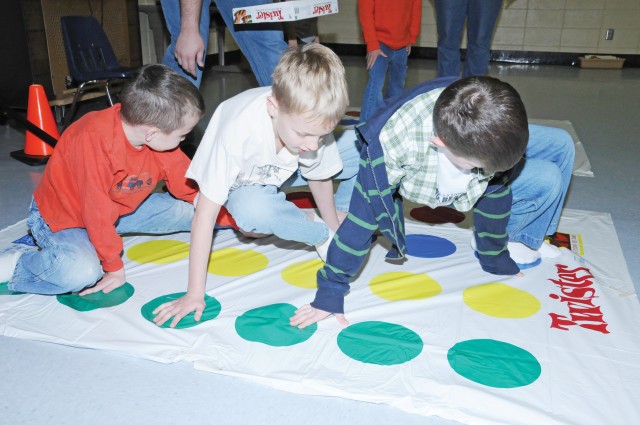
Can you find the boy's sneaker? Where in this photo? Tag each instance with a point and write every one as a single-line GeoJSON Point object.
{"type": "Point", "coordinates": [549, 251]}
{"type": "Point", "coordinates": [8, 262]}
{"type": "Point", "coordinates": [523, 256]}
{"type": "Point", "coordinates": [323, 248]}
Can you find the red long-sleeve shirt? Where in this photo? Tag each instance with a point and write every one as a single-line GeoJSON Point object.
{"type": "Point", "coordinates": [96, 175]}
{"type": "Point", "coordinates": [393, 23]}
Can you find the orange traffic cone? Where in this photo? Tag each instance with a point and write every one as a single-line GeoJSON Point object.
{"type": "Point", "coordinates": [36, 150]}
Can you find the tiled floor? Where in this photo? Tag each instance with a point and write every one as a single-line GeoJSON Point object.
{"type": "Point", "coordinates": [50, 384]}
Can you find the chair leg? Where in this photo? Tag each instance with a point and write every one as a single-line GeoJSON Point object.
{"type": "Point", "coordinates": [106, 87]}
{"type": "Point", "coordinates": [72, 108]}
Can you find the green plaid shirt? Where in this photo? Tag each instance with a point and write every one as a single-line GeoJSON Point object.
{"type": "Point", "coordinates": [412, 161]}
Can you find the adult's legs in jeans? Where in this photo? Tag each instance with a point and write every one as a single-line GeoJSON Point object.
{"type": "Point", "coordinates": [540, 189]}
{"type": "Point", "coordinates": [397, 72]}
{"type": "Point", "coordinates": [372, 98]}
{"type": "Point", "coordinates": [171, 12]}
{"type": "Point", "coordinates": [261, 47]}
{"type": "Point", "coordinates": [481, 21]}
{"type": "Point", "coordinates": [450, 17]}
{"type": "Point", "coordinates": [265, 210]}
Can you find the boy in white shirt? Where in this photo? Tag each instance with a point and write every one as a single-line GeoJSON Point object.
{"type": "Point", "coordinates": [254, 143]}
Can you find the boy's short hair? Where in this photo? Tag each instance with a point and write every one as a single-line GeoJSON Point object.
{"type": "Point", "coordinates": [311, 80]}
{"type": "Point", "coordinates": [160, 97]}
{"type": "Point", "coordinates": [482, 118]}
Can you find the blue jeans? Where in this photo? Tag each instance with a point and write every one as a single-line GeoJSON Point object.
{"type": "Point", "coordinates": [395, 64]}
{"type": "Point", "coordinates": [540, 188]}
{"type": "Point", "coordinates": [348, 145]}
{"type": "Point", "coordinates": [481, 17]}
{"type": "Point", "coordinates": [265, 209]}
{"type": "Point", "coordinates": [261, 44]}
{"type": "Point", "coordinates": [171, 12]}
{"type": "Point", "coordinates": [67, 260]}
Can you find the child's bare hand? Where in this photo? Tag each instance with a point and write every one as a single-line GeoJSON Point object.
{"type": "Point", "coordinates": [307, 315]}
{"type": "Point", "coordinates": [372, 56]}
{"type": "Point", "coordinates": [179, 309]}
{"type": "Point", "coordinates": [109, 282]}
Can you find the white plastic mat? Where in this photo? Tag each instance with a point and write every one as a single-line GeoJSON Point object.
{"type": "Point", "coordinates": [433, 336]}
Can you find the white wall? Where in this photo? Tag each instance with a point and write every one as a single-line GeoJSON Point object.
{"type": "Point", "coordinates": [525, 25]}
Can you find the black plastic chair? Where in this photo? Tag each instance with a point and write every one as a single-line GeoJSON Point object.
{"type": "Point", "coordinates": [90, 57]}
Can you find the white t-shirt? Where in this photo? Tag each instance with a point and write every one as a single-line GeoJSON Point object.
{"type": "Point", "coordinates": [452, 181]}
{"type": "Point", "coordinates": [239, 148]}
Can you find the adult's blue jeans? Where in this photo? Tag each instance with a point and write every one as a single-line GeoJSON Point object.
{"type": "Point", "coordinates": [481, 16]}
{"type": "Point", "coordinates": [261, 44]}
{"type": "Point", "coordinates": [171, 12]}
{"type": "Point", "coordinates": [540, 188]}
{"type": "Point", "coordinates": [67, 260]}
{"type": "Point", "coordinates": [395, 66]}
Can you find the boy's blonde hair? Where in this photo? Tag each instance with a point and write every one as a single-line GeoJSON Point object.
{"type": "Point", "coordinates": [310, 80]}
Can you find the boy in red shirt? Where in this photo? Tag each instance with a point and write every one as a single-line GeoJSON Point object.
{"type": "Point", "coordinates": [98, 184]}
{"type": "Point", "coordinates": [389, 29]}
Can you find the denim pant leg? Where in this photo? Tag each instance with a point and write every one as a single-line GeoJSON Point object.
{"type": "Point", "coordinates": [397, 72]}
{"type": "Point", "coordinates": [264, 209]}
{"type": "Point", "coordinates": [540, 189]}
{"type": "Point", "coordinates": [450, 18]}
{"type": "Point", "coordinates": [349, 148]}
{"type": "Point", "coordinates": [171, 12]}
{"type": "Point", "coordinates": [372, 98]}
{"type": "Point", "coordinates": [481, 21]}
{"type": "Point", "coordinates": [262, 47]}
{"type": "Point", "coordinates": [66, 261]}
{"type": "Point", "coordinates": [160, 213]}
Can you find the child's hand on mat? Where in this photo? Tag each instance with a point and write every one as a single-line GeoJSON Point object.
{"type": "Point", "coordinates": [307, 315]}
{"type": "Point", "coordinates": [179, 309]}
{"type": "Point", "coordinates": [109, 282]}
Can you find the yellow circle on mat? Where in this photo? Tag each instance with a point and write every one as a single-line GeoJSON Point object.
{"type": "Point", "coordinates": [397, 286]}
{"type": "Point", "coordinates": [303, 273]}
{"type": "Point", "coordinates": [500, 300]}
{"type": "Point", "coordinates": [236, 262]}
{"type": "Point", "coordinates": [159, 251]}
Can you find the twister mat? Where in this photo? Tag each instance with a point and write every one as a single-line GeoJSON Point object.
{"type": "Point", "coordinates": [432, 336]}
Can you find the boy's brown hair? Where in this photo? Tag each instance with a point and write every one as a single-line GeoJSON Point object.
{"type": "Point", "coordinates": [483, 118]}
{"type": "Point", "coordinates": [160, 97]}
{"type": "Point", "coordinates": [310, 80]}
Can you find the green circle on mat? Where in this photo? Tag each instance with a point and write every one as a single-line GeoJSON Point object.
{"type": "Point", "coordinates": [270, 325]}
{"type": "Point", "coordinates": [212, 308]}
{"type": "Point", "coordinates": [494, 363]}
{"type": "Point", "coordinates": [4, 290]}
{"type": "Point", "coordinates": [380, 343]}
{"type": "Point", "coordinates": [97, 299]}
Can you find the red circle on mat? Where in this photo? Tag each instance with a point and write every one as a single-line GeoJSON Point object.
{"type": "Point", "coordinates": [225, 219]}
{"type": "Point", "coordinates": [438, 215]}
{"type": "Point", "coordinates": [302, 199]}
{"type": "Point", "coordinates": [353, 113]}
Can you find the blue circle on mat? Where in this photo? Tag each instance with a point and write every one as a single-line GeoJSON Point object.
{"type": "Point", "coordinates": [427, 246]}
